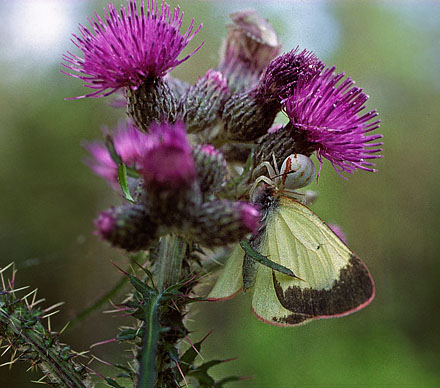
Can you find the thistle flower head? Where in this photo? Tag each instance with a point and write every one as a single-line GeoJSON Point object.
{"type": "Point", "coordinates": [101, 163]}
{"type": "Point", "coordinates": [127, 47]}
{"type": "Point", "coordinates": [130, 143]}
{"type": "Point", "coordinates": [250, 216]}
{"type": "Point", "coordinates": [104, 224]}
{"type": "Point", "coordinates": [168, 162]}
{"type": "Point", "coordinates": [328, 115]}
{"type": "Point", "coordinates": [285, 71]}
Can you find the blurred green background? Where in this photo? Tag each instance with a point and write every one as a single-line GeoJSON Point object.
{"type": "Point", "coordinates": [49, 197]}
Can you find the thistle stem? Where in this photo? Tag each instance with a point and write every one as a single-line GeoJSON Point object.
{"type": "Point", "coordinates": [172, 250]}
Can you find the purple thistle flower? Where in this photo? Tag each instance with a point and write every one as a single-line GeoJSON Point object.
{"type": "Point", "coordinates": [283, 72]}
{"type": "Point", "coordinates": [101, 162]}
{"type": "Point", "coordinates": [168, 162]}
{"type": "Point", "coordinates": [250, 217]}
{"type": "Point", "coordinates": [127, 47]}
{"type": "Point", "coordinates": [328, 115]}
{"type": "Point", "coordinates": [130, 144]}
{"type": "Point", "coordinates": [104, 224]}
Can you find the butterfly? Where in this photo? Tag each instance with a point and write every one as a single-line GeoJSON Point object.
{"type": "Point", "coordinates": [298, 268]}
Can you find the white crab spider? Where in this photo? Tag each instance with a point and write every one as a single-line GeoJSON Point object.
{"type": "Point", "coordinates": [296, 171]}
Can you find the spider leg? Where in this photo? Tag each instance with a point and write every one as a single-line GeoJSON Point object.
{"type": "Point", "coordinates": [261, 178]}
{"type": "Point", "coordinates": [277, 171]}
{"type": "Point", "coordinates": [296, 196]}
{"type": "Point", "coordinates": [268, 166]}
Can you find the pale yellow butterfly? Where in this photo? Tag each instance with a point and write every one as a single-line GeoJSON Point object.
{"type": "Point", "coordinates": [331, 281]}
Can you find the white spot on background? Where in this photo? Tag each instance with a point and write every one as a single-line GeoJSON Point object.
{"type": "Point", "coordinates": [36, 30]}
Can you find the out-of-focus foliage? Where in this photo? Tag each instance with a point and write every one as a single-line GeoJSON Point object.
{"type": "Point", "coordinates": [49, 198]}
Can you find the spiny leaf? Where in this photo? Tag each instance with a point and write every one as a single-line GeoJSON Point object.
{"type": "Point", "coordinates": [147, 362]}
{"type": "Point", "coordinates": [190, 355]}
{"type": "Point", "coordinates": [201, 373]}
{"type": "Point", "coordinates": [140, 286]}
{"type": "Point", "coordinates": [128, 334]}
{"type": "Point", "coordinates": [222, 382]}
{"type": "Point", "coordinates": [21, 327]}
{"type": "Point", "coordinates": [113, 383]}
{"type": "Point", "coordinates": [122, 176]}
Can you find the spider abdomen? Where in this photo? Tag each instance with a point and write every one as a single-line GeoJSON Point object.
{"type": "Point", "coordinates": [297, 171]}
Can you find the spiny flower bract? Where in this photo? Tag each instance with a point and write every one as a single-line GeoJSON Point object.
{"type": "Point", "coordinates": [328, 115]}
{"type": "Point", "coordinates": [127, 47]}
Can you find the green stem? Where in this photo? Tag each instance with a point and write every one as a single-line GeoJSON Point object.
{"type": "Point", "coordinates": [172, 250]}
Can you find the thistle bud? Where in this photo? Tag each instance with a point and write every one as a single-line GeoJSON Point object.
{"type": "Point", "coordinates": [201, 104]}
{"type": "Point", "coordinates": [178, 86]}
{"type": "Point", "coordinates": [224, 222]}
{"type": "Point", "coordinates": [140, 193]}
{"type": "Point", "coordinates": [281, 143]}
{"type": "Point", "coordinates": [129, 227]}
{"type": "Point", "coordinates": [152, 101]}
{"type": "Point", "coordinates": [246, 117]}
{"type": "Point", "coordinates": [211, 167]}
{"type": "Point", "coordinates": [251, 44]}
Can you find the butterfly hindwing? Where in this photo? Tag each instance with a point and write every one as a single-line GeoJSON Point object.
{"type": "Point", "coordinates": [265, 303]}
{"type": "Point", "coordinates": [230, 280]}
{"type": "Point", "coordinates": [336, 282]}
